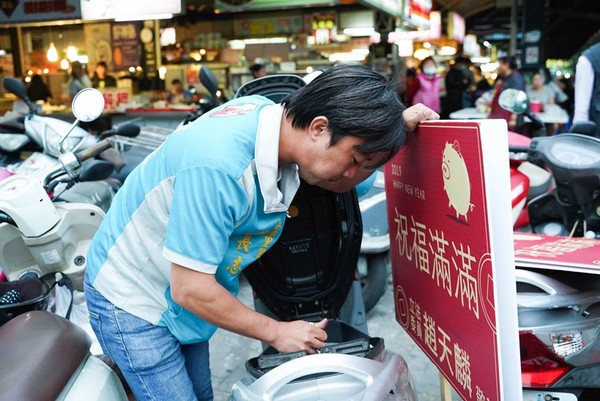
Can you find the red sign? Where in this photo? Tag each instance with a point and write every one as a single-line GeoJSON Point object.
{"type": "Point", "coordinates": [448, 199]}
{"type": "Point", "coordinates": [557, 253]}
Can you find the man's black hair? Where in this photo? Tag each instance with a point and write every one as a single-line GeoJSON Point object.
{"type": "Point", "coordinates": [357, 101]}
{"type": "Point", "coordinates": [510, 60]}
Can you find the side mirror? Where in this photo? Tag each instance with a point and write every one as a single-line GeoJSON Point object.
{"type": "Point", "coordinates": [516, 101]}
{"type": "Point", "coordinates": [87, 105]}
{"type": "Point", "coordinates": [209, 81]}
{"type": "Point", "coordinates": [513, 100]}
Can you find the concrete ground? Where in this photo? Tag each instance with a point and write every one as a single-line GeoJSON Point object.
{"type": "Point", "coordinates": [229, 351]}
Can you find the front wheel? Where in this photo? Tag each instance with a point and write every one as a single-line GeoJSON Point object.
{"type": "Point", "coordinates": [373, 274]}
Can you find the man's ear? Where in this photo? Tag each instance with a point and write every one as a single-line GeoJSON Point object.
{"type": "Point", "coordinates": [318, 127]}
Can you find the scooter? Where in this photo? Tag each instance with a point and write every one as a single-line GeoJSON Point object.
{"type": "Point", "coordinates": [559, 318]}
{"type": "Point", "coordinates": [570, 206]}
{"type": "Point", "coordinates": [47, 357]}
{"type": "Point", "coordinates": [47, 133]}
{"type": "Point", "coordinates": [310, 273]}
{"type": "Point", "coordinates": [40, 237]}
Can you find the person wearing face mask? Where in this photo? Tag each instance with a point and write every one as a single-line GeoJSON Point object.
{"type": "Point", "coordinates": [426, 86]}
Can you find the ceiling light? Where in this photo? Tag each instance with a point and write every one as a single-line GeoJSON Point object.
{"type": "Point", "coordinates": [144, 17]}
{"type": "Point", "coordinates": [52, 53]}
{"type": "Point", "coordinates": [366, 31]}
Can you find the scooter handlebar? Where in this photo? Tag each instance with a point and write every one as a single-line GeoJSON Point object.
{"type": "Point", "coordinates": [93, 151]}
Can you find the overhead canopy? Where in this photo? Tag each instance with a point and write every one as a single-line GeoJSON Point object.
{"type": "Point", "coordinates": [569, 24]}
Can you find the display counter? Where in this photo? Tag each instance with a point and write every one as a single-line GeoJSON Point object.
{"type": "Point", "coordinates": [163, 117]}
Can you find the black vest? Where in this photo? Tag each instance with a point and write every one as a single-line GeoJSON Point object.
{"type": "Point", "coordinates": [593, 55]}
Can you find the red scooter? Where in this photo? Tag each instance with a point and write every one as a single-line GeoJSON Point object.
{"type": "Point", "coordinates": [556, 191]}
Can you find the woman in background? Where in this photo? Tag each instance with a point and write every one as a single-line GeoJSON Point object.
{"type": "Point", "coordinates": [426, 86]}
{"type": "Point", "coordinates": [38, 90]}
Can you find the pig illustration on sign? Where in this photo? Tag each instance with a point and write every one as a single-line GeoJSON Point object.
{"type": "Point", "coordinates": [456, 180]}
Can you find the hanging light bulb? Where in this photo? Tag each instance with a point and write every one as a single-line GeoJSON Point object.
{"type": "Point", "coordinates": [72, 53]}
{"type": "Point", "coordinates": [52, 53]}
{"type": "Point", "coordinates": [64, 64]}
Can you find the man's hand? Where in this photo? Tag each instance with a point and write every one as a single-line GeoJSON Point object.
{"type": "Point", "coordinates": [300, 335]}
{"type": "Point", "coordinates": [201, 294]}
{"type": "Point", "coordinates": [417, 113]}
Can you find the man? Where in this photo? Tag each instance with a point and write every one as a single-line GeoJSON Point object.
{"type": "Point", "coordinates": [163, 268]}
{"type": "Point", "coordinates": [587, 87]}
{"type": "Point", "coordinates": [457, 81]}
{"type": "Point", "coordinates": [508, 77]}
{"type": "Point", "coordinates": [101, 78]}
{"type": "Point", "coordinates": [258, 70]}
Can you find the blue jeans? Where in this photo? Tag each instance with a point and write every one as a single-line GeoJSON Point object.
{"type": "Point", "coordinates": [156, 366]}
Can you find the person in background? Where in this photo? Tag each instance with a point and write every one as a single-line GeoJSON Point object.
{"type": "Point", "coordinates": [508, 78]}
{"type": "Point", "coordinates": [539, 91]}
{"type": "Point", "coordinates": [426, 86]}
{"type": "Point", "coordinates": [101, 79]}
{"type": "Point", "coordinates": [566, 86]}
{"type": "Point", "coordinates": [559, 95]}
{"type": "Point", "coordinates": [38, 90]}
{"type": "Point", "coordinates": [258, 70]}
{"type": "Point", "coordinates": [587, 87]}
{"type": "Point", "coordinates": [79, 79]}
{"type": "Point", "coordinates": [479, 85]}
{"type": "Point", "coordinates": [177, 94]}
{"type": "Point", "coordinates": [457, 81]}
{"type": "Point", "coordinates": [163, 268]}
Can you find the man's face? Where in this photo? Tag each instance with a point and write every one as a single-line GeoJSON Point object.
{"type": "Point", "coordinates": [336, 168]}
{"type": "Point", "coordinates": [503, 69]}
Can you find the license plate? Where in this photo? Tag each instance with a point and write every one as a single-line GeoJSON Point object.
{"type": "Point", "coordinates": [532, 395]}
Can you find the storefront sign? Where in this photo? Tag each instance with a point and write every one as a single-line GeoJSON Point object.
{"type": "Point", "coordinates": [392, 7]}
{"type": "Point", "coordinates": [13, 11]}
{"type": "Point", "coordinates": [245, 5]}
{"type": "Point", "coordinates": [249, 27]}
{"type": "Point", "coordinates": [129, 10]}
{"type": "Point", "coordinates": [125, 45]}
{"type": "Point", "coordinates": [533, 37]}
{"type": "Point", "coordinates": [448, 200]}
{"type": "Point", "coordinates": [98, 43]}
{"type": "Point", "coordinates": [456, 26]}
{"type": "Point", "coordinates": [416, 13]}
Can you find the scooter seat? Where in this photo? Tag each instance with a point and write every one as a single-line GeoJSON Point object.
{"type": "Point", "coordinates": [308, 273]}
{"type": "Point", "coordinates": [58, 345]}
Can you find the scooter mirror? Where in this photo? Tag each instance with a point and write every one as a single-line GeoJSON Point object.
{"type": "Point", "coordinates": [15, 86]}
{"type": "Point", "coordinates": [513, 100]}
{"type": "Point", "coordinates": [88, 104]}
{"type": "Point", "coordinates": [209, 81]}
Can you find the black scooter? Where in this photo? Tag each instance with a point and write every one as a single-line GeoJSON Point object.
{"type": "Point", "coordinates": [309, 274]}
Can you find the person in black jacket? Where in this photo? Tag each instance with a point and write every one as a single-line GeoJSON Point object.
{"type": "Point", "coordinates": [101, 79]}
{"type": "Point", "coordinates": [38, 90]}
{"type": "Point", "coordinates": [457, 82]}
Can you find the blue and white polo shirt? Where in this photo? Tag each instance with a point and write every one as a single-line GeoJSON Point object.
{"type": "Point", "coordinates": [211, 198]}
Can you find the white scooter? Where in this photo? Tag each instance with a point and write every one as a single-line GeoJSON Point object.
{"type": "Point", "coordinates": [40, 237]}
{"type": "Point", "coordinates": [49, 135]}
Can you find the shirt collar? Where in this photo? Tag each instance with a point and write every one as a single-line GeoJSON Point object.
{"type": "Point", "coordinates": [278, 184]}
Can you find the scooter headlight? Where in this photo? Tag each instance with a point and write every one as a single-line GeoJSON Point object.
{"type": "Point", "coordinates": [567, 343]}
{"type": "Point", "coordinates": [13, 142]}
{"type": "Point", "coordinates": [52, 140]}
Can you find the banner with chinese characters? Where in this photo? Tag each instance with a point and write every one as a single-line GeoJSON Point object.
{"type": "Point", "coordinates": [580, 255]}
{"type": "Point", "coordinates": [449, 208]}
{"type": "Point", "coordinates": [125, 45]}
